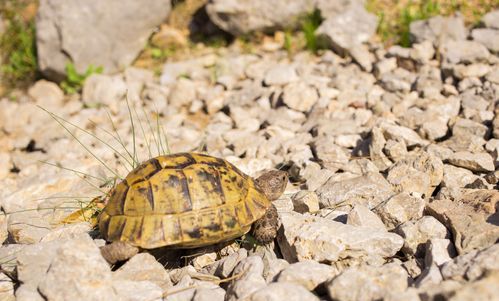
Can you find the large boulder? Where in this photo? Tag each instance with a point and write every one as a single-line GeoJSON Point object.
{"type": "Point", "coordinates": [242, 17]}
{"type": "Point", "coordinates": [107, 33]}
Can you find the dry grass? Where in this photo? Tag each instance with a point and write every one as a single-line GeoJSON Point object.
{"type": "Point", "coordinates": [396, 15]}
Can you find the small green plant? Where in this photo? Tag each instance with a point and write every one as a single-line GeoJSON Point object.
{"type": "Point", "coordinates": [309, 25]}
{"type": "Point", "coordinates": [19, 49]}
{"type": "Point", "coordinates": [74, 80]}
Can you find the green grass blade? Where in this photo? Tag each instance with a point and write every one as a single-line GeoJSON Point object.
{"type": "Point", "coordinates": [136, 160]}
{"type": "Point", "coordinates": [56, 118]}
{"type": "Point", "coordinates": [143, 133]}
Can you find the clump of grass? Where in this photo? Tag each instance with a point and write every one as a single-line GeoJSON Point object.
{"type": "Point", "coordinates": [18, 45]}
{"type": "Point", "coordinates": [309, 25]}
{"type": "Point", "coordinates": [74, 80]}
{"type": "Point", "coordinates": [425, 9]}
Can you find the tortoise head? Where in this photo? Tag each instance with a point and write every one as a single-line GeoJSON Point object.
{"type": "Point", "coordinates": [273, 183]}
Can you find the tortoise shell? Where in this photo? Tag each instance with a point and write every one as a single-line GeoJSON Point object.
{"type": "Point", "coordinates": [184, 200]}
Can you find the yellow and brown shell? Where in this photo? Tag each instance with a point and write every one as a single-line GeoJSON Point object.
{"type": "Point", "coordinates": [183, 200]}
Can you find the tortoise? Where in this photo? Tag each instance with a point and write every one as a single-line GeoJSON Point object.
{"type": "Point", "coordinates": [188, 200]}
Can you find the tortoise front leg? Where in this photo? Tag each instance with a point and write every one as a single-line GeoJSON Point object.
{"type": "Point", "coordinates": [118, 251]}
{"type": "Point", "coordinates": [264, 230]}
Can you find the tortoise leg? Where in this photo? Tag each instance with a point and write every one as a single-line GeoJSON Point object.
{"type": "Point", "coordinates": [265, 229]}
{"type": "Point", "coordinates": [118, 251]}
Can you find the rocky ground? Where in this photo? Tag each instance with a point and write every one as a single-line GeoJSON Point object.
{"type": "Point", "coordinates": [392, 157]}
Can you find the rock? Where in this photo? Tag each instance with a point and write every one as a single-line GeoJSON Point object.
{"type": "Point", "coordinates": [456, 177]}
{"type": "Point", "coordinates": [348, 30]}
{"type": "Point", "coordinates": [332, 156]}
{"type": "Point", "coordinates": [239, 18]}
{"type": "Point", "coordinates": [27, 227]}
{"type": "Point", "coordinates": [283, 291]}
{"type": "Point", "coordinates": [371, 283]}
{"type": "Point", "coordinates": [481, 162]}
{"type": "Point", "coordinates": [309, 274]}
{"type": "Point", "coordinates": [399, 80]}
{"type": "Point", "coordinates": [439, 251]}
{"type": "Point", "coordinates": [136, 290]}
{"type": "Point", "coordinates": [430, 276]}
{"type": "Point", "coordinates": [417, 233]}
{"type": "Point", "coordinates": [405, 178]}
{"type": "Point", "coordinates": [305, 201]}
{"type": "Point", "coordinates": [324, 240]}
{"type": "Point", "coordinates": [300, 96]}
{"type": "Point", "coordinates": [280, 75]}
{"type": "Point", "coordinates": [113, 33]}
{"type": "Point", "coordinates": [464, 127]}
{"type": "Point", "coordinates": [144, 267]}
{"type": "Point", "coordinates": [6, 284]}
{"type": "Point", "coordinates": [438, 28]}
{"type": "Point", "coordinates": [483, 289]}
{"type": "Point", "coordinates": [47, 95]}
{"type": "Point", "coordinates": [487, 37]}
{"type": "Point", "coordinates": [396, 132]}
{"type": "Point", "coordinates": [363, 217]}
{"type": "Point", "coordinates": [385, 65]}
{"type": "Point", "coordinates": [490, 19]}
{"type": "Point", "coordinates": [250, 281]}
{"type": "Point", "coordinates": [469, 218]}
{"type": "Point", "coordinates": [209, 294]}
{"type": "Point", "coordinates": [77, 271]}
{"type": "Point", "coordinates": [363, 57]}
{"type": "Point", "coordinates": [316, 176]}
{"type": "Point", "coordinates": [399, 209]}
{"type": "Point", "coordinates": [368, 190]}
{"type": "Point", "coordinates": [104, 89]}
{"type": "Point", "coordinates": [465, 52]}
{"type": "Point", "coordinates": [183, 92]}
{"type": "Point", "coordinates": [473, 265]}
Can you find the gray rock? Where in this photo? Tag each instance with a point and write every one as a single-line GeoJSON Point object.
{"type": "Point", "coordinates": [307, 273]}
{"type": "Point", "coordinates": [405, 178]}
{"type": "Point", "coordinates": [417, 233]}
{"type": "Point", "coordinates": [274, 268]}
{"type": "Point", "coordinates": [305, 201]}
{"type": "Point", "coordinates": [77, 271]}
{"type": "Point", "coordinates": [209, 294]}
{"type": "Point", "coordinates": [487, 37]}
{"type": "Point", "coordinates": [483, 289]}
{"type": "Point", "coordinates": [466, 52]}
{"type": "Point", "coordinates": [456, 177]}
{"type": "Point", "coordinates": [241, 18]}
{"type": "Point", "coordinates": [27, 227]}
{"type": "Point", "coordinates": [396, 132]}
{"type": "Point", "coordinates": [104, 89]}
{"type": "Point", "coordinates": [144, 267]}
{"type": "Point", "coordinates": [109, 34]}
{"type": "Point", "coordinates": [283, 291]}
{"type": "Point", "coordinates": [469, 218]}
{"type": "Point", "coordinates": [437, 28]}
{"type": "Point", "coordinates": [384, 66]}
{"type": "Point", "coordinates": [47, 95]}
{"type": "Point", "coordinates": [324, 240]}
{"type": "Point", "coordinates": [349, 29]}
{"type": "Point", "coordinates": [399, 80]}
{"type": "Point", "coordinates": [280, 75]}
{"type": "Point", "coordinates": [224, 267]}
{"type": "Point", "coordinates": [368, 190]}
{"type": "Point", "coordinates": [439, 251]}
{"type": "Point", "coordinates": [464, 127]}
{"type": "Point", "coordinates": [481, 162]}
{"type": "Point", "coordinates": [371, 283]}
{"type": "Point", "coordinates": [399, 209]}
{"type": "Point", "coordinates": [250, 281]}
{"type": "Point", "coordinates": [430, 276]}
{"type": "Point", "coordinates": [6, 285]}
{"type": "Point", "coordinates": [473, 265]}
{"type": "Point", "coordinates": [490, 19]}
{"type": "Point", "coordinates": [300, 96]}
{"type": "Point", "coordinates": [493, 76]}
{"type": "Point", "coordinates": [362, 216]}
